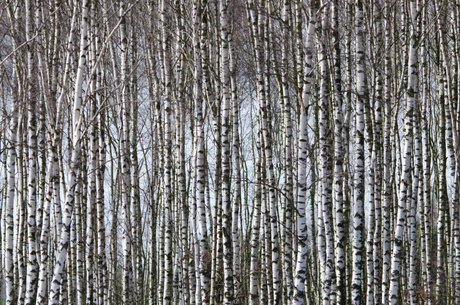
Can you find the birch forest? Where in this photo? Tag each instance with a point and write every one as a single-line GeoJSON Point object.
{"type": "Point", "coordinates": [229, 152]}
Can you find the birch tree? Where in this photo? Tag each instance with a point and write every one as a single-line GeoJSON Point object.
{"type": "Point", "coordinates": [226, 164]}
{"type": "Point", "coordinates": [387, 185]}
{"type": "Point", "coordinates": [229, 152]}
{"type": "Point", "coordinates": [32, 155]}
{"type": "Point", "coordinates": [56, 282]}
{"type": "Point", "coordinates": [403, 191]}
{"type": "Point", "coordinates": [358, 208]}
{"type": "Point", "coordinates": [11, 172]}
{"type": "Point", "coordinates": [301, 266]}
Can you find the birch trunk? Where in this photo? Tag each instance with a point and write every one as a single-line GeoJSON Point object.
{"type": "Point", "coordinates": [263, 100]}
{"type": "Point", "coordinates": [358, 209]}
{"type": "Point", "coordinates": [20, 221]}
{"type": "Point", "coordinates": [406, 166]}
{"type": "Point", "coordinates": [9, 204]}
{"type": "Point", "coordinates": [302, 229]}
{"type": "Point", "coordinates": [287, 166]}
{"type": "Point", "coordinates": [32, 264]}
{"type": "Point", "coordinates": [387, 186]}
{"type": "Point", "coordinates": [204, 251]}
{"type": "Point", "coordinates": [441, 257]}
{"type": "Point", "coordinates": [100, 209]}
{"type": "Point", "coordinates": [413, 208]}
{"type": "Point", "coordinates": [12, 145]}
{"type": "Point", "coordinates": [51, 192]}
{"type": "Point", "coordinates": [168, 199]}
{"type": "Point", "coordinates": [327, 258]}
{"type": "Point", "coordinates": [339, 237]}
{"type": "Point", "coordinates": [56, 282]}
{"type": "Point", "coordinates": [236, 168]}
{"type": "Point", "coordinates": [255, 261]}
{"type": "Point", "coordinates": [378, 160]}
{"type": "Point", "coordinates": [127, 277]}
{"type": "Point", "coordinates": [226, 156]}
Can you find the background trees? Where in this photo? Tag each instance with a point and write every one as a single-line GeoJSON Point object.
{"type": "Point", "coordinates": [230, 151]}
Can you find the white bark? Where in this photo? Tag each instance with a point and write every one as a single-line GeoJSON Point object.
{"type": "Point", "coordinates": [32, 264]}
{"type": "Point", "coordinates": [9, 206]}
{"type": "Point", "coordinates": [236, 165]}
{"type": "Point", "coordinates": [12, 144]}
{"type": "Point", "coordinates": [327, 258]}
{"type": "Point", "coordinates": [52, 186]}
{"type": "Point", "coordinates": [443, 209]}
{"type": "Point", "coordinates": [302, 229]}
{"type": "Point", "coordinates": [258, 30]}
{"type": "Point", "coordinates": [287, 156]}
{"type": "Point", "coordinates": [124, 133]}
{"type": "Point", "coordinates": [411, 219]}
{"type": "Point", "coordinates": [199, 166]}
{"type": "Point", "coordinates": [194, 236]}
{"type": "Point", "coordinates": [406, 166]}
{"type": "Point", "coordinates": [358, 208]}
{"type": "Point", "coordinates": [76, 123]}
{"type": "Point", "coordinates": [168, 199]}
{"type": "Point", "coordinates": [21, 215]}
{"type": "Point", "coordinates": [387, 186]}
{"type": "Point", "coordinates": [255, 261]}
{"type": "Point", "coordinates": [378, 153]}
{"type": "Point", "coordinates": [100, 210]}
{"type": "Point", "coordinates": [299, 281]}
{"type": "Point", "coordinates": [80, 246]}
{"type": "Point", "coordinates": [226, 158]}
{"type": "Point", "coordinates": [339, 230]}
